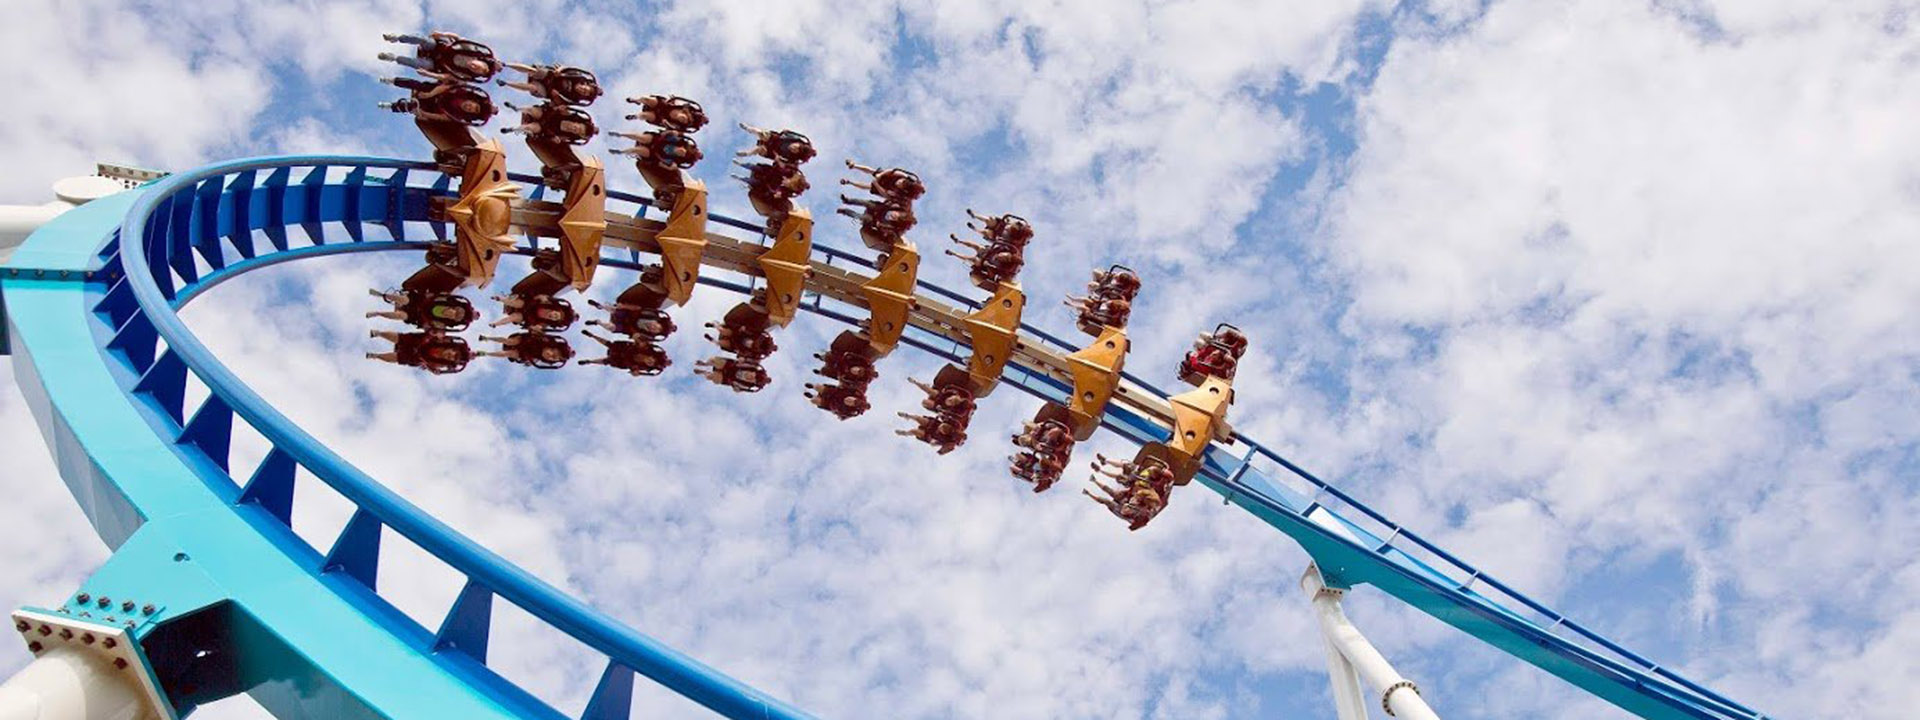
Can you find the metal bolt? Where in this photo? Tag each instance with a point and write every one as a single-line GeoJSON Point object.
{"type": "Point", "coordinates": [126, 606]}
{"type": "Point", "coordinates": [87, 638]}
{"type": "Point", "coordinates": [34, 646]}
{"type": "Point", "coordinates": [120, 663]}
{"type": "Point", "coordinates": [22, 625]}
{"type": "Point", "coordinates": [146, 609]}
{"type": "Point", "coordinates": [109, 643]}
{"type": "Point", "coordinates": [83, 597]}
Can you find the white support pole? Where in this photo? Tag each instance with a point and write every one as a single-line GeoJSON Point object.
{"type": "Point", "coordinates": [1349, 701]}
{"type": "Point", "coordinates": [68, 683]}
{"type": "Point", "coordinates": [1398, 696]}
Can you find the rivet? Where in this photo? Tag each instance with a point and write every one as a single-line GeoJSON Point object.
{"type": "Point", "coordinates": [105, 601]}
{"type": "Point", "coordinates": [109, 643]}
{"type": "Point", "coordinates": [66, 633]}
{"type": "Point", "coordinates": [83, 597]}
{"type": "Point", "coordinates": [34, 646]}
{"type": "Point", "coordinates": [120, 663]}
{"type": "Point", "coordinates": [146, 609]}
{"type": "Point", "coordinates": [126, 606]}
{"type": "Point", "coordinates": [109, 618]}
{"type": "Point", "coordinates": [87, 638]}
{"type": "Point", "coordinates": [45, 631]}
{"type": "Point", "coordinates": [22, 625]}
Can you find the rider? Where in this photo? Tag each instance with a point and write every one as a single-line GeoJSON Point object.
{"type": "Point", "coordinates": [891, 184]}
{"type": "Point", "coordinates": [427, 310]}
{"type": "Point", "coordinates": [783, 147]}
{"type": "Point", "coordinates": [936, 430]}
{"type": "Point", "coordinates": [645, 323]}
{"type": "Point", "coordinates": [740, 374]}
{"type": "Point", "coordinates": [843, 401]}
{"type": "Point", "coordinates": [669, 111]}
{"type": "Point", "coordinates": [562, 84]}
{"type": "Point", "coordinates": [1137, 504]}
{"type": "Point", "coordinates": [662, 148]}
{"type": "Point", "coordinates": [851, 368]}
{"type": "Point", "coordinates": [446, 101]}
{"type": "Point", "coordinates": [535, 349]}
{"type": "Point", "coordinates": [539, 312]}
{"type": "Point", "coordinates": [433, 351]}
{"type": "Point", "coordinates": [638, 358]}
{"type": "Point", "coordinates": [445, 52]}
{"type": "Point", "coordinates": [564, 124]}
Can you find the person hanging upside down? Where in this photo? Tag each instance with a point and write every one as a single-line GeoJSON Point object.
{"type": "Point", "coordinates": [771, 187]}
{"type": "Point", "coordinates": [882, 222]}
{"type": "Point", "coordinates": [992, 264]}
{"type": "Point", "coordinates": [1115, 283]}
{"type": "Point", "coordinates": [662, 148]}
{"type": "Point", "coordinates": [1098, 312]}
{"type": "Point", "coordinates": [936, 430]}
{"type": "Point", "coordinates": [563, 84]}
{"type": "Point", "coordinates": [560, 124]}
{"type": "Point", "coordinates": [669, 111]}
{"type": "Point", "coordinates": [544, 313]}
{"type": "Point", "coordinates": [741, 375]}
{"type": "Point", "coordinates": [850, 368]}
{"type": "Point", "coordinates": [534, 349]}
{"type": "Point", "coordinates": [435, 352]}
{"type": "Point", "coordinates": [891, 184]}
{"type": "Point", "coordinates": [1153, 473]}
{"type": "Point", "coordinates": [784, 147]}
{"type": "Point", "coordinates": [844, 402]}
{"type": "Point", "coordinates": [446, 53]}
{"type": "Point", "coordinates": [748, 343]}
{"type": "Point", "coordinates": [1011, 229]}
{"type": "Point", "coordinates": [954, 402]}
{"type": "Point", "coordinates": [445, 101]}
{"type": "Point", "coordinates": [1137, 504]}
{"type": "Point", "coordinates": [647, 324]}
{"type": "Point", "coordinates": [429, 311]}
{"type": "Point", "coordinates": [638, 358]}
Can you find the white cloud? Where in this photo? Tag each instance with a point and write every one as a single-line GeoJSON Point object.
{"type": "Point", "coordinates": [1605, 287]}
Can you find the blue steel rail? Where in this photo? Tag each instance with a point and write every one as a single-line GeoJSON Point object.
{"type": "Point", "coordinates": [135, 259]}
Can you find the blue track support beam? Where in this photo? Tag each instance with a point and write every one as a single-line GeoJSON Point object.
{"type": "Point", "coordinates": [136, 340]}
{"type": "Point", "coordinates": [271, 486]}
{"type": "Point", "coordinates": [236, 214]}
{"type": "Point", "coordinates": [206, 224]}
{"type": "Point", "coordinates": [613, 697]}
{"type": "Point", "coordinates": [166, 383]}
{"type": "Point", "coordinates": [117, 305]}
{"type": "Point", "coordinates": [467, 622]}
{"type": "Point", "coordinates": [357, 552]}
{"type": "Point", "coordinates": [273, 207]}
{"type": "Point", "coordinates": [211, 430]}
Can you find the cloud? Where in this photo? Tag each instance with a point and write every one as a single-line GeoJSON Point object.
{"type": "Point", "coordinates": [1601, 292]}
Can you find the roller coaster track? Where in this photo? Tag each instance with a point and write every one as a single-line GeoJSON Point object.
{"type": "Point", "coordinates": [103, 358]}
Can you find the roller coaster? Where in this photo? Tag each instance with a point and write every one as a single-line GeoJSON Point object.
{"type": "Point", "coordinates": [209, 592]}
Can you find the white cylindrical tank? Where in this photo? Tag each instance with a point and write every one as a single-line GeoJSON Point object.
{"type": "Point", "coordinates": [19, 221]}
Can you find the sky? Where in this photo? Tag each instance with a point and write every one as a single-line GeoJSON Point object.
{"type": "Point", "coordinates": [1608, 298]}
